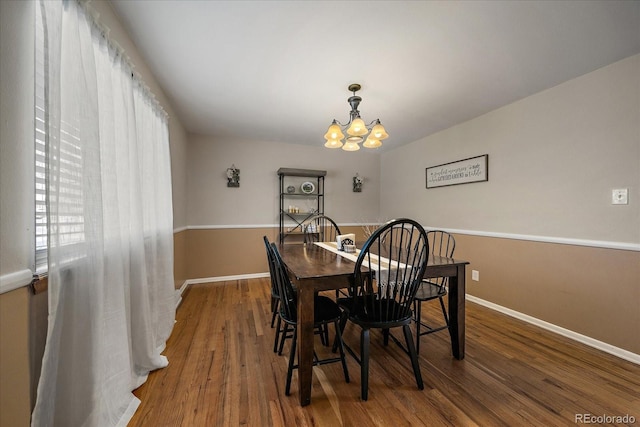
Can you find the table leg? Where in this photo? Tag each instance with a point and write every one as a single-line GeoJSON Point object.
{"type": "Point", "coordinates": [457, 292]}
{"type": "Point", "coordinates": [305, 342]}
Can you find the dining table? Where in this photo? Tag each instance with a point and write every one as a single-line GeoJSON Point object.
{"type": "Point", "coordinates": [312, 268]}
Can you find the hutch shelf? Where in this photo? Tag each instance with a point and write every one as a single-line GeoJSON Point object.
{"type": "Point", "coordinates": [301, 197]}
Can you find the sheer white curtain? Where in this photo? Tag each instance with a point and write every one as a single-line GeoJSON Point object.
{"type": "Point", "coordinates": [111, 289]}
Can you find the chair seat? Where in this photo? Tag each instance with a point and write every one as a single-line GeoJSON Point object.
{"type": "Point", "coordinates": [372, 314]}
{"type": "Point", "coordinates": [345, 303]}
{"type": "Point", "coordinates": [429, 290]}
{"type": "Point", "coordinates": [325, 310]}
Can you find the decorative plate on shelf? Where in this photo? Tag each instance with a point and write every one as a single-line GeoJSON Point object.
{"type": "Point", "coordinates": [291, 189]}
{"type": "Point", "coordinates": [307, 187]}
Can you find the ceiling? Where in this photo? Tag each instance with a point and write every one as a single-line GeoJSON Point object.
{"type": "Point", "coordinates": [279, 70]}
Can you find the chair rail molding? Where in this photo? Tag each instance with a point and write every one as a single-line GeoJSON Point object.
{"type": "Point", "coordinates": [15, 280]}
{"type": "Point", "coordinates": [625, 246]}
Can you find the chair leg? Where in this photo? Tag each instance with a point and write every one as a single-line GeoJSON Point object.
{"type": "Point", "coordinates": [277, 339]}
{"type": "Point", "coordinates": [385, 337]}
{"type": "Point", "coordinates": [343, 324]}
{"type": "Point", "coordinates": [341, 348]}
{"type": "Point", "coordinates": [275, 304]}
{"type": "Point", "coordinates": [283, 337]}
{"type": "Point", "coordinates": [323, 331]}
{"type": "Point", "coordinates": [364, 364]}
{"type": "Point", "coordinates": [320, 331]}
{"type": "Point", "coordinates": [326, 336]}
{"type": "Point", "coordinates": [418, 313]}
{"type": "Point", "coordinates": [444, 311]}
{"type": "Point", "coordinates": [292, 355]}
{"type": "Point", "coordinates": [414, 356]}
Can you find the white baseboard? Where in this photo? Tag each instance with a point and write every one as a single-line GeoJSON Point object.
{"type": "Point", "coordinates": [607, 348]}
{"type": "Point", "coordinates": [179, 293]}
{"type": "Point", "coordinates": [184, 287]}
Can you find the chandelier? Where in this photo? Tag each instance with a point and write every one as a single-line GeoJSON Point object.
{"type": "Point", "coordinates": [355, 128]}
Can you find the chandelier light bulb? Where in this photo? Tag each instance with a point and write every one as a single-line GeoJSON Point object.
{"type": "Point", "coordinates": [334, 132]}
{"type": "Point", "coordinates": [372, 143]}
{"type": "Point", "coordinates": [333, 143]}
{"type": "Point", "coordinates": [378, 132]}
{"type": "Point", "coordinates": [357, 128]}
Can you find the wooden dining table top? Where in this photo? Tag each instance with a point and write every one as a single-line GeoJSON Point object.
{"type": "Point", "coordinates": [309, 261]}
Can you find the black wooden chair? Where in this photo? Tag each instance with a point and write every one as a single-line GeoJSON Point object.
{"type": "Point", "coordinates": [443, 244]}
{"type": "Point", "coordinates": [281, 333]}
{"type": "Point", "coordinates": [275, 297]}
{"type": "Point", "coordinates": [320, 228]}
{"type": "Point", "coordinates": [387, 274]}
{"type": "Point", "coordinates": [327, 311]}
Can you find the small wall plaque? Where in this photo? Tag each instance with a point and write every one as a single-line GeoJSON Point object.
{"type": "Point", "coordinates": [357, 183]}
{"type": "Point", "coordinates": [233, 176]}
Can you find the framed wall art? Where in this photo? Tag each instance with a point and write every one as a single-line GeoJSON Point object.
{"type": "Point", "coordinates": [473, 169]}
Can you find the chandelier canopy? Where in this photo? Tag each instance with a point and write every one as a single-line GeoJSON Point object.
{"type": "Point", "coordinates": [355, 128]}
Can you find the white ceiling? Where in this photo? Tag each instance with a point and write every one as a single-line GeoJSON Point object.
{"type": "Point", "coordinates": [279, 70]}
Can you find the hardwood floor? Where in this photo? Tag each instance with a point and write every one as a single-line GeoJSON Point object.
{"type": "Point", "coordinates": [223, 372]}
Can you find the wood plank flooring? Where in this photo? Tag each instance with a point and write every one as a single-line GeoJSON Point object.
{"type": "Point", "coordinates": [223, 372]}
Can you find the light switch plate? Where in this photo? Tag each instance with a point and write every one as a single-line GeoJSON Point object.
{"type": "Point", "coordinates": [620, 196]}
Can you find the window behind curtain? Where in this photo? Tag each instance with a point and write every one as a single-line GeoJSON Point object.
{"type": "Point", "coordinates": [40, 153]}
{"type": "Point", "coordinates": [70, 218]}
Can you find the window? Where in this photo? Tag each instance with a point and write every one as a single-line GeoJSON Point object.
{"type": "Point", "coordinates": [68, 147]}
{"type": "Point", "coordinates": [40, 152]}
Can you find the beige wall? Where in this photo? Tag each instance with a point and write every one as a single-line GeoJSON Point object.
{"type": "Point", "coordinates": [591, 291]}
{"type": "Point", "coordinates": [553, 159]}
{"type": "Point", "coordinates": [226, 225]}
{"type": "Point", "coordinates": [15, 393]}
{"type": "Point", "coordinates": [216, 253]}
{"type": "Point", "coordinates": [256, 201]}
{"type": "Point", "coordinates": [180, 272]}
